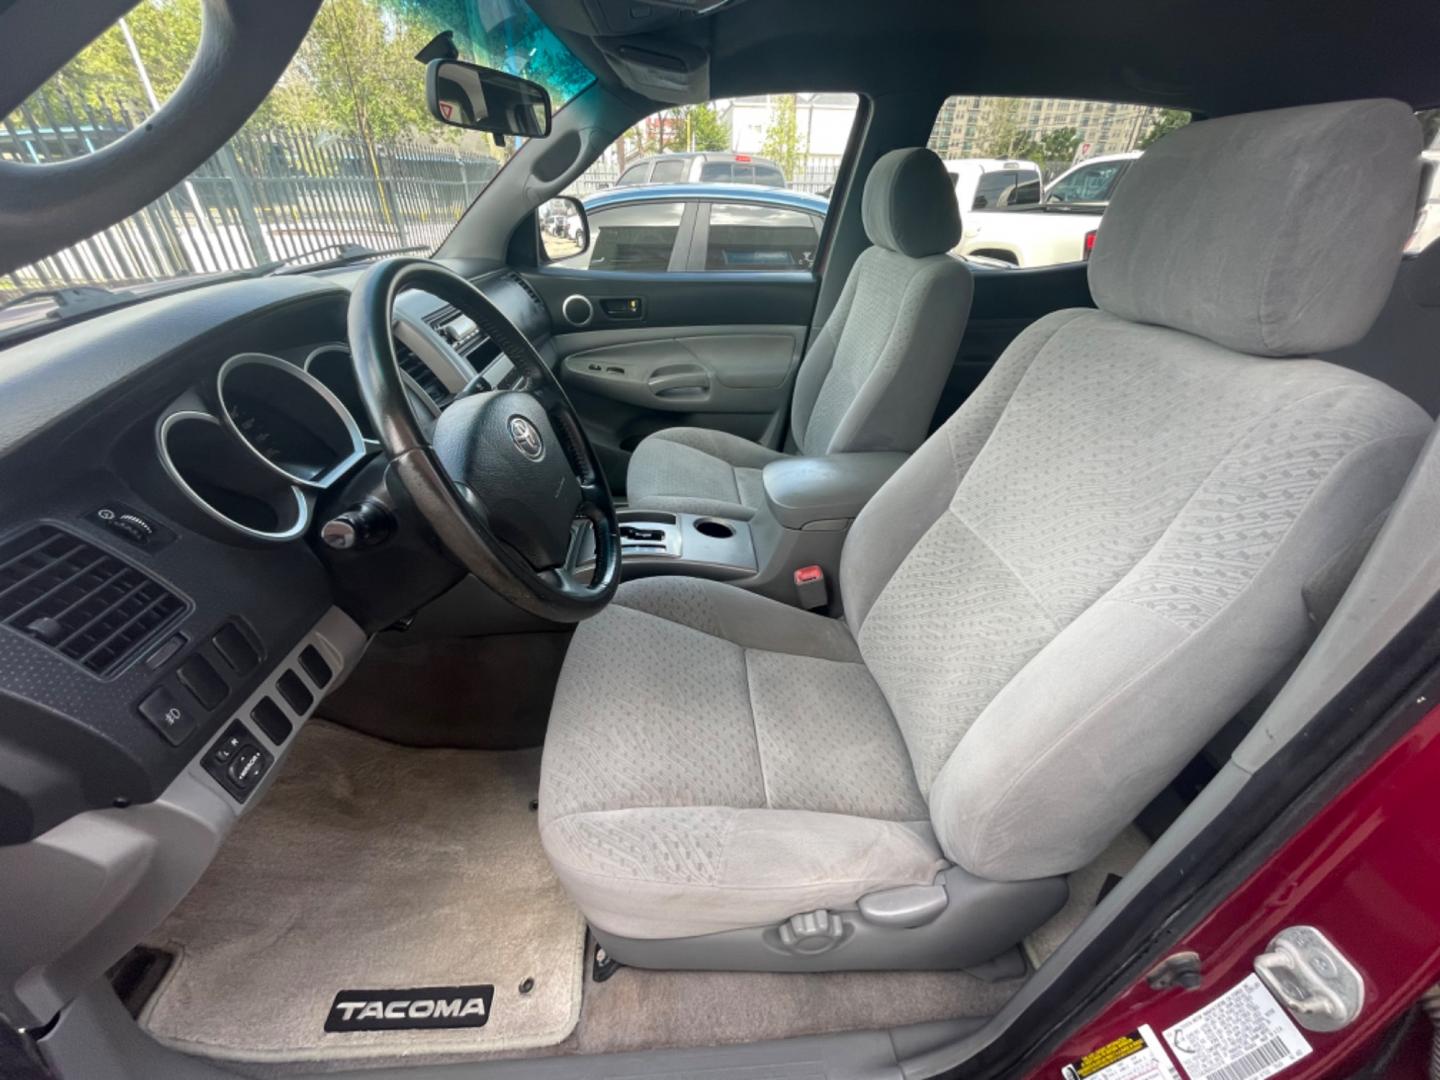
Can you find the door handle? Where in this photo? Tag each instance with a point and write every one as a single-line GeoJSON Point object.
{"type": "Point", "coordinates": [678, 382]}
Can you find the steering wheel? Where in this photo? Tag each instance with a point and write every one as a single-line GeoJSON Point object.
{"type": "Point", "coordinates": [507, 473]}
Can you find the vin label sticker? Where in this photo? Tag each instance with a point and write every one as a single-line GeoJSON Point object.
{"type": "Point", "coordinates": [1137, 1056]}
{"type": "Point", "coordinates": [425, 1007]}
{"type": "Point", "coordinates": [1244, 1034]}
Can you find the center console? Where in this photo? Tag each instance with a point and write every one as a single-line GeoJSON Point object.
{"type": "Point", "coordinates": [658, 542]}
{"type": "Point", "coordinates": [810, 504]}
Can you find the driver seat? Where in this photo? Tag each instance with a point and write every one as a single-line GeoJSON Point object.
{"type": "Point", "coordinates": [1050, 609]}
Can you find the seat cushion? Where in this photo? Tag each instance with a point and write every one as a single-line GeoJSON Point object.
{"type": "Point", "coordinates": [698, 471]}
{"type": "Point", "coordinates": [717, 760]}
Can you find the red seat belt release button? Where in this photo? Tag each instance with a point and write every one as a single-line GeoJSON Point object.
{"type": "Point", "coordinates": [810, 588]}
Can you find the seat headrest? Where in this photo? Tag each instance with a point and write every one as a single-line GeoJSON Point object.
{"type": "Point", "coordinates": [1273, 233]}
{"type": "Point", "coordinates": [909, 204]}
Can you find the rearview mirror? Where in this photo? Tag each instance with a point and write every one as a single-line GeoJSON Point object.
{"type": "Point", "coordinates": [564, 228]}
{"type": "Point", "coordinates": [482, 99]}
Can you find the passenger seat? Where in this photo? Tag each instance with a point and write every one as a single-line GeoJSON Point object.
{"type": "Point", "coordinates": [873, 374]}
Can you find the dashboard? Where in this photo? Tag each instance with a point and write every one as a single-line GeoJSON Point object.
{"type": "Point", "coordinates": [166, 607]}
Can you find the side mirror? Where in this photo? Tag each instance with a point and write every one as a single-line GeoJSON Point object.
{"type": "Point", "coordinates": [564, 228]}
{"type": "Point", "coordinates": [482, 99]}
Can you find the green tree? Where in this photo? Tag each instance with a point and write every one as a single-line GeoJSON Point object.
{"type": "Point", "coordinates": [1001, 135]}
{"type": "Point", "coordinates": [166, 33]}
{"type": "Point", "coordinates": [707, 131]}
{"type": "Point", "coordinates": [1169, 120]}
{"type": "Point", "coordinates": [1059, 145]}
{"type": "Point", "coordinates": [782, 135]}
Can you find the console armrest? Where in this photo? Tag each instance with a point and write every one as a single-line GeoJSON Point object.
{"type": "Point", "coordinates": [805, 490]}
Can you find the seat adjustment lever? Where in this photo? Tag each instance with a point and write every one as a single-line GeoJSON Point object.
{"type": "Point", "coordinates": [907, 906]}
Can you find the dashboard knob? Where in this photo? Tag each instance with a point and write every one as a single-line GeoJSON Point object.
{"type": "Point", "coordinates": [367, 523]}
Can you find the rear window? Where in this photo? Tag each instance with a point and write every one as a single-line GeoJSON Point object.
{"type": "Point", "coordinates": [1006, 187]}
{"type": "Point", "coordinates": [716, 172]}
{"type": "Point", "coordinates": [669, 172]}
{"type": "Point", "coordinates": [983, 139]}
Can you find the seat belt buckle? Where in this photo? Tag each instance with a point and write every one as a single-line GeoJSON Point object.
{"type": "Point", "coordinates": [810, 588]}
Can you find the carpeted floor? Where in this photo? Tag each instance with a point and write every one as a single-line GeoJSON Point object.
{"type": "Point", "coordinates": [1085, 888]}
{"type": "Point", "coordinates": [372, 866]}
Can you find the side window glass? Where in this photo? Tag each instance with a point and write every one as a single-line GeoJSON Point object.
{"type": "Point", "coordinates": [1086, 185]}
{"type": "Point", "coordinates": [789, 149]}
{"type": "Point", "coordinates": [635, 237]}
{"type": "Point", "coordinates": [1014, 153]}
{"type": "Point", "coordinates": [754, 237]}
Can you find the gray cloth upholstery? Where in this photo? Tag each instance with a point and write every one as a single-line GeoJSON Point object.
{"type": "Point", "coordinates": [1055, 603]}
{"type": "Point", "coordinates": [909, 204]}
{"type": "Point", "coordinates": [699, 471]}
{"type": "Point", "coordinates": [718, 760]}
{"type": "Point", "coordinates": [1274, 233]}
{"type": "Point", "coordinates": [872, 374]}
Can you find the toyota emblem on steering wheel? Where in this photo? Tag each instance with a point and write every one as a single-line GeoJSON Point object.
{"type": "Point", "coordinates": [526, 437]}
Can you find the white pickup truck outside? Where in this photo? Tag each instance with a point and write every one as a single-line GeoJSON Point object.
{"type": "Point", "coordinates": [1055, 230]}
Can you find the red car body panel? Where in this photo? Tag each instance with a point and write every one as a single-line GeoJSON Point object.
{"type": "Point", "coordinates": [1365, 871]}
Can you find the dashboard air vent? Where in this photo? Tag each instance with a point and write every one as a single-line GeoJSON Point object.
{"type": "Point", "coordinates": [78, 600]}
{"type": "Point", "coordinates": [424, 378]}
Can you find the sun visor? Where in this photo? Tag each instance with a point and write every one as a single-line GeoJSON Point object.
{"type": "Point", "coordinates": [658, 68]}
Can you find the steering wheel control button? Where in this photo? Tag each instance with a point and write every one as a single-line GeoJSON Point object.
{"type": "Point", "coordinates": [167, 715]}
{"type": "Point", "coordinates": [526, 437]}
{"type": "Point", "coordinates": [235, 649]}
{"type": "Point", "coordinates": [271, 719]}
{"type": "Point", "coordinates": [130, 525]}
{"type": "Point", "coordinates": [315, 666]}
{"type": "Point", "coordinates": [237, 761]}
{"type": "Point", "coordinates": [199, 676]}
{"type": "Point", "coordinates": [296, 694]}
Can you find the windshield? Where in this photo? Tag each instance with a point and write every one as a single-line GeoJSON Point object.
{"type": "Point", "coordinates": [341, 154]}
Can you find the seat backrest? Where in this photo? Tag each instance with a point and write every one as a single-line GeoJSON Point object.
{"type": "Point", "coordinates": [872, 376]}
{"type": "Point", "coordinates": [1099, 558]}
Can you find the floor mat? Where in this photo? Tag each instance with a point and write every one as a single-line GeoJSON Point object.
{"type": "Point", "coordinates": [1086, 886]}
{"type": "Point", "coordinates": [370, 866]}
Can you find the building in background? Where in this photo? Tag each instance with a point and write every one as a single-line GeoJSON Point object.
{"type": "Point", "coordinates": [822, 122]}
{"type": "Point", "coordinates": [971, 126]}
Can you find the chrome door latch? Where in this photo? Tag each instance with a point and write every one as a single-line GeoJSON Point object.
{"type": "Point", "coordinates": [1311, 977]}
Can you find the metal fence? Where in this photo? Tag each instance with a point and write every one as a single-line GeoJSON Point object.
{"type": "Point", "coordinates": [270, 193]}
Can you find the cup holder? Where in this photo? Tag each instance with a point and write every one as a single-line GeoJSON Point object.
{"type": "Point", "coordinates": [714, 528]}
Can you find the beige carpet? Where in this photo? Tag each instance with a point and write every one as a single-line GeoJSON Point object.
{"type": "Point", "coordinates": [372, 866]}
{"type": "Point", "coordinates": [1085, 885]}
